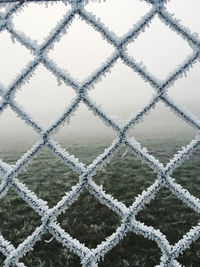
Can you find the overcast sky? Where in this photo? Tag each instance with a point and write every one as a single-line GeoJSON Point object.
{"type": "Point", "coordinates": [122, 92]}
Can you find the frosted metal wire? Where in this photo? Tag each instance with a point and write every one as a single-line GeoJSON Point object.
{"type": "Point", "coordinates": [90, 257]}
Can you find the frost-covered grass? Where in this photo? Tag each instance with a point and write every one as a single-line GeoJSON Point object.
{"type": "Point", "coordinates": [91, 222]}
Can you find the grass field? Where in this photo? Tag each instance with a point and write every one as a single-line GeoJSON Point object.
{"type": "Point", "coordinates": [91, 222]}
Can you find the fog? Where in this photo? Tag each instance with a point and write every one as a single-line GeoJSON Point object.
{"type": "Point", "coordinates": [121, 92]}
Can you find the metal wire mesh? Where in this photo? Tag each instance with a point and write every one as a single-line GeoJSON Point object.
{"type": "Point", "coordinates": [90, 257]}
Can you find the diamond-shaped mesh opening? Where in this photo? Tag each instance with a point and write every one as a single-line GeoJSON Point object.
{"type": "Point", "coordinates": [191, 256]}
{"type": "Point", "coordinates": [187, 14]}
{"type": "Point", "coordinates": [89, 221]}
{"type": "Point", "coordinates": [184, 89]}
{"type": "Point", "coordinates": [130, 92]}
{"type": "Point", "coordinates": [86, 130]}
{"type": "Point", "coordinates": [18, 58]}
{"type": "Point", "coordinates": [188, 174]}
{"type": "Point", "coordinates": [170, 215]}
{"type": "Point", "coordinates": [43, 98]}
{"type": "Point", "coordinates": [110, 13]}
{"type": "Point", "coordinates": [163, 132]}
{"type": "Point", "coordinates": [48, 177]}
{"type": "Point", "coordinates": [72, 54]}
{"type": "Point", "coordinates": [147, 48]}
{"type": "Point", "coordinates": [25, 21]}
{"type": "Point", "coordinates": [133, 250]}
{"type": "Point", "coordinates": [47, 246]}
{"type": "Point", "coordinates": [19, 221]}
{"type": "Point", "coordinates": [14, 146]}
{"type": "Point", "coordinates": [125, 171]}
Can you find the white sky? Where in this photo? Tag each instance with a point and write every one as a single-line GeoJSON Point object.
{"type": "Point", "coordinates": [122, 92]}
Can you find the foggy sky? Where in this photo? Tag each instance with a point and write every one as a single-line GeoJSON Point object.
{"type": "Point", "coordinates": [82, 50]}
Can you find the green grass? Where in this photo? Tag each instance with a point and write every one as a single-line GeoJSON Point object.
{"type": "Point", "coordinates": [91, 222]}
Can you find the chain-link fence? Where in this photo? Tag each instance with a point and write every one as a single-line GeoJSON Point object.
{"type": "Point", "coordinates": [90, 257]}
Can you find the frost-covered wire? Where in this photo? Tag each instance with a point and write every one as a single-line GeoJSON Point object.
{"type": "Point", "coordinates": [9, 173]}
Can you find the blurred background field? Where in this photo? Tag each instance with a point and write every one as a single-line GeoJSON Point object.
{"type": "Point", "coordinates": [91, 222]}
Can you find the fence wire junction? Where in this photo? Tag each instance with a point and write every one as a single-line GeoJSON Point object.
{"type": "Point", "coordinates": [90, 257]}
